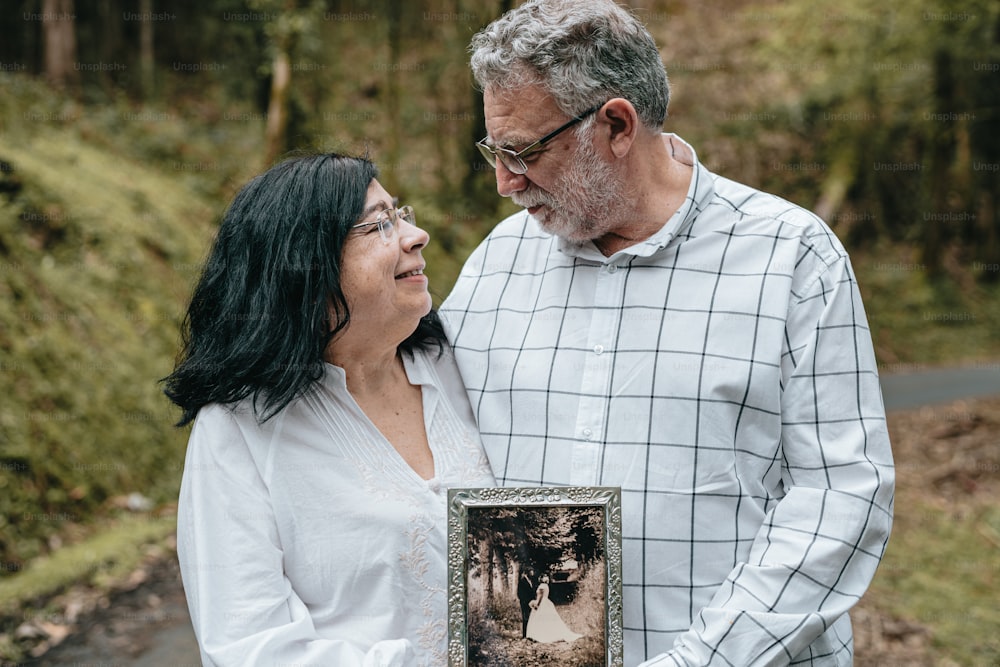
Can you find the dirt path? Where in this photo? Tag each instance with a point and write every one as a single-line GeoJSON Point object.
{"type": "Point", "coordinates": [146, 625]}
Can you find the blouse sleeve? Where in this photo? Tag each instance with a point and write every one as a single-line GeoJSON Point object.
{"type": "Point", "coordinates": [243, 607]}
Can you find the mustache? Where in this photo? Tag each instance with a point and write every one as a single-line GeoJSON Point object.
{"type": "Point", "coordinates": [530, 198]}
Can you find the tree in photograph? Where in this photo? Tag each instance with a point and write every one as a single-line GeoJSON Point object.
{"type": "Point", "coordinates": [503, 538]}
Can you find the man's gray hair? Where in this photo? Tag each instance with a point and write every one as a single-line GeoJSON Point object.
{"type": "Point", "coordinates": [583, 52]}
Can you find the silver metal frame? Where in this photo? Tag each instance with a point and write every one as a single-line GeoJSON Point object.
{"type": "Point", "coordinates": [459, 502]}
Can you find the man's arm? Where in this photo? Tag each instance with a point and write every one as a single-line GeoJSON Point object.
{"type": "Point", "coordinates": [819, 546]}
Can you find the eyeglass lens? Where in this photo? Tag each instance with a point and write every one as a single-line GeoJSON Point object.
{"type": "Point", "coordinates": [510, 161]}
{"type": "Point", "coordinates": [387, 220]}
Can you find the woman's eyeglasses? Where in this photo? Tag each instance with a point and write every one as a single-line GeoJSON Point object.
{"type": "Point", "coordinates": [387, 219]}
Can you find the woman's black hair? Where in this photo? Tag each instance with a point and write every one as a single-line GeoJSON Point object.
{"type": "Point", "coordinates": [260, 320]}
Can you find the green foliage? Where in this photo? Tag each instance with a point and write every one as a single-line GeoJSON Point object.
{"type": "Point", "coordinates": [210, 147]}
{"type": "Point", "coordinates": [97, 257]}
{"type": "Point", "coordinates": [889, 101]}
{"type": "Point", "coordinates": [919, 319]}
{"type": "Point", "coordinates": [290, 25]}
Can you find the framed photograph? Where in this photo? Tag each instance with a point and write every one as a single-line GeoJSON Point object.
{"type": "Point", "coordinates": [534, 577]}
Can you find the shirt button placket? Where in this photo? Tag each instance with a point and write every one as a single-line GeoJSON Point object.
{"type": "Point", "coordinates": [596, 377]}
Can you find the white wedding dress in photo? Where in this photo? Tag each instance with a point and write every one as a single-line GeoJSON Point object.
{"type": "Point", "coordinates": [544, 623]}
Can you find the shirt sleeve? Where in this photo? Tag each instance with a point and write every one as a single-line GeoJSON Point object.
{"type": "Point", "coordinates": [243, 608]}
{"type": "Point", "coordinates": [819, 546]}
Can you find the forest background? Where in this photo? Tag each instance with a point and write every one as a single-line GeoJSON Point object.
{"type": "Point", "coordinates": [127, 125]}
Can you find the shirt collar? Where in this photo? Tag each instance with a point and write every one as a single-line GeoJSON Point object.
{"type": "Point", "coordinates": [699, 192]}
{"type": "Point", "coordinates": [415, 364]}
{"type": "Point", "coordinates": [418, 372]}
{"type": "Point", "coordinates": [334, 376]}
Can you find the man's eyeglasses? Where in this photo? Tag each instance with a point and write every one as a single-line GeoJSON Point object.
{"type": "Point", "coordinates": [387, 219]}
{"type": "Point", "coordinates": [514, 161]}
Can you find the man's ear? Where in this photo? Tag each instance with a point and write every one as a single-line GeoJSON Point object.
{"type": "Point", "coordinates": [623, 122]}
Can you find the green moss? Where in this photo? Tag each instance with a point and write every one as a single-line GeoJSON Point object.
{"type": "Point", "coordinates": [940, 571]}
{"type": "Point", "coordinates": [111, 553]}
{"type": "Point", "coordinates": [97, 257]}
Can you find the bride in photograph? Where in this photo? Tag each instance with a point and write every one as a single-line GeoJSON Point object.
{"type": "Point", "coordinates": [544, 624]}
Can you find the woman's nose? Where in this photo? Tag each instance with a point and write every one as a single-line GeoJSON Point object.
{"type": "Point", "coordinates": [412, 237]}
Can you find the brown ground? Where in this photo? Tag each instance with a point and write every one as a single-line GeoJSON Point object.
{"type": "Point", "coordinates": [951, 450]}
{"type": "Point", "coordinates": [947, 457]}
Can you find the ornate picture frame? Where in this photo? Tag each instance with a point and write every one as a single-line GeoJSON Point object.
{"type": "Point", "coordinates": [534, 576]}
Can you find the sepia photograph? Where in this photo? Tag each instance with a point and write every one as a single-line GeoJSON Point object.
{"type": "Point", "coordinates": [535, 577]}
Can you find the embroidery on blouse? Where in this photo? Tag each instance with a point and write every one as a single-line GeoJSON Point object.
{"type": "Point", "coordinates": [433, 631]}
{"type": "Point", "coordinates": [384, 475]}
{"type": "Point", "coordinates": [379, 473]}
{"type": "Point", "coordinates": [458, 456]}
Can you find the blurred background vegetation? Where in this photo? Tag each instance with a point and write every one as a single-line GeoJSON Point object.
{"type": "Point", "coordinates": [127, 125]}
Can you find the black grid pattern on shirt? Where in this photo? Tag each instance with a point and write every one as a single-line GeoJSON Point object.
{"type": "Point", "coordinates": [819, 251]}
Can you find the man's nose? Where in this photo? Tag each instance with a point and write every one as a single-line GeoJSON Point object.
{"type": "Point", "coordinates": [508, 182]}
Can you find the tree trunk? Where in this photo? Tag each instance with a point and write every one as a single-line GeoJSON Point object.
{"type": "Point", "coordinates": [276, 138]}
{"type": "Point", "coordinates": [490, 571]}
{"type": "Point", "coordinates": [504, 574]}
{"type": "Point", "coordinates": [989, 246]}
{"type": "Point", "coordinates": [942, 155]}
{"type": "Point", "coordinates": [834, 189]}
{"type": "Point", "coordinates": [146, 47]}
{"type": "Point", "coordinates": [985, 148]}
{"type": "Point", "coordinates": [109, 13]}
{"type": "Point", "coordinates": [58, 28]}
{"type": "Point", "coordinates": [393, 156]}
{"type": "Point", "coordinates": [474, 187]}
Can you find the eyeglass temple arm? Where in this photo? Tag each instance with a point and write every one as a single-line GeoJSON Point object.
{"type": "Point", "coordinates": [565, 126]}
{"type": "Point", "coordinates": [547, 137]}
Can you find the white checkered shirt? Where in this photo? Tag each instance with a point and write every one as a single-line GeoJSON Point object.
{"type": "Point", "coordinates": [722, 374]}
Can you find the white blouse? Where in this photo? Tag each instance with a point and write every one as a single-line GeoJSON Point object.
{"type": "Point", "coordinates": [309, 540]}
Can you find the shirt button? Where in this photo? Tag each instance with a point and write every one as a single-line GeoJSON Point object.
{"type": "Point", "coordinates": [598, 349]}
{"type": "Point", "coordinates": [587, 433]}
{"type": "Point", "coordinates": [612, 268]}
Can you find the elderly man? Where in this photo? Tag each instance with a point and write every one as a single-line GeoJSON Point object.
{"type": "Point", "coordinates": [648, 324]}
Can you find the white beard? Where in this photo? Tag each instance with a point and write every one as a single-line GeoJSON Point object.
{"type": "Point", "coordinates": [582, 204]}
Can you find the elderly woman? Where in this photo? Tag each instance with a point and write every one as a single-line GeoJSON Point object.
{"type": "Point", "coordinates": [329, 420]}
